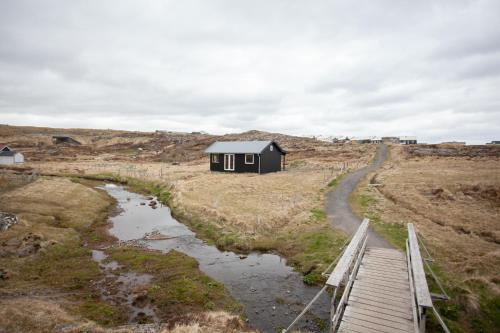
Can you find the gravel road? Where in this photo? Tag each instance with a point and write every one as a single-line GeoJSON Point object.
{"type": "Point", "coordinates": [339, 210]}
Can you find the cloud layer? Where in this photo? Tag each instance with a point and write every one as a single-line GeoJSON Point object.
{"type": "Point", "coordinates": [425, 68]}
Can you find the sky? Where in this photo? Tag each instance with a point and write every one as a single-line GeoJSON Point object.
{"type": "Point", "coordinates": [356, 68]}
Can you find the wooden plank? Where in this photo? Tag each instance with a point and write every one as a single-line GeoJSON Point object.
{"type": "Point", "coordinates": [405, 294]}
{"type": "Point", "coordinates": [419, 279]}
{"type": "Point", "coordinates": [395, 256]}
{"type": "Point", "coordinates": [385, 261]}
{"type": "Point", "coordinates": [342, 267]}
{"type": "Point", "coordinates": [378, 272]}
{"type": "Point", "coordinates": [388, 278]}
{"type": "Point", "coordinates": [381, 298]}
{"type": "Point", "coordinates": [383, 267]}
{"type": "Point", "coordinates": [402, 304]}
{"type": "Point", "coordinates": [382, 288]}
{"type": "Point", "coordinates": [388, 283]}
{"type": "Point", "coordinates": [382, 270]}
{"type": "Point", "coordinates": [382, 311]}
{"type": "Point", "coordinates": [382, 294]}
{"type": "Point", "coordinates": [396, 276]}
{"type": "Point", "coordinates": [373, 326]}
{"type": "Point", "coordinates": [346, 327]}
{"type": "Point", "coordinates": [382, 307]}
{"type": "Point", "coordinates": [405, 325]}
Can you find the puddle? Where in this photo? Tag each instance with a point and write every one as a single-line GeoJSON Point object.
{"type": "Point", "coordinates": [124, 288]}
{"type": "Point", "coordinates": [272, 293]}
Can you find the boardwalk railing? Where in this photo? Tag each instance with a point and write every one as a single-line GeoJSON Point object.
{"type": "Point", "coordinates": [421, 297]}
{"type": "Point", "coordinates": [345, 272]}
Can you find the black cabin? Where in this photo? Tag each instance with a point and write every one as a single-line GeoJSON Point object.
{"type": "Point", "coordinates": [246, 156]}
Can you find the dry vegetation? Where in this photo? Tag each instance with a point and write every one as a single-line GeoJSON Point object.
{"type": "Point", "coordinates": [44, 262]}
{"type": "Point", "coordinates": [452, 194]}
{"type": "Point", "coordinates": [243, 212]}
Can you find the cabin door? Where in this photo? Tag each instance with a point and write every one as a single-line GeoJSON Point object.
{"type": "Point", "coordinates": [229, 162]}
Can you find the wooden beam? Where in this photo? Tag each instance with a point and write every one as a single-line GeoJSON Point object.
{"type": "Point", "coordinates": [342, 268]}
{"type": "Point", "coordinates": [419, 279]}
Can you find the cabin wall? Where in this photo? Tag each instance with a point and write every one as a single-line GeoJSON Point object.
{"type": "Point", "coordinates": [270, 160]}
{"type": "Point", "coordinates": [6, 159]}
{"type": "Point", "coordinates": [18, 158]}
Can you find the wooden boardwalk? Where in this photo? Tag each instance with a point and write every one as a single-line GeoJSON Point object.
{"type": "Point", "coordinates": [380, 298]}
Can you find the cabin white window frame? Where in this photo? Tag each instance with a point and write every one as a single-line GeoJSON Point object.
{"type": "Point", "coordinates": [229, 162]}
{"type": "Point", "coordinates": [215, 158]}
{"type": "Point", "coordinates": [271, 147]}
{"type": "Point", "coordinates": [253, 158]}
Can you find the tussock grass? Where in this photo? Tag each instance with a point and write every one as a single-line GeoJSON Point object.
{"type": "Point", "coordinates": [178, 285]}
{"type": "Point", "coordinates": [453, 202]}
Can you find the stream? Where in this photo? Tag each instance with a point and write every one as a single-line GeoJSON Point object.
{"type": "Point", "coordinates": [272, 293]}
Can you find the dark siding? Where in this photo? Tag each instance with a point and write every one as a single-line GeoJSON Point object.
{"type": "Point", "coordinates": [270, 160]}
{"type": "Point", "coordinates": [239, 164]}
{"type": "Point", "coordinates": [217, 166]}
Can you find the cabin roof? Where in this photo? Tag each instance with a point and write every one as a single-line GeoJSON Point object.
{"type": "Point", "coordinates": [240, 147]}
{"type": "Point", "coordinates": [7, 153]}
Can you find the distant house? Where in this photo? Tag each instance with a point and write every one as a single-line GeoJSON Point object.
{"type": "Point", "coordinates": [408, 140]}
{"type": "Point", "coordinates": [10, 156]}
{"type": "Point", "coordinates": [494, 143]}
{"type": "Point", "coordinates": [368, 139]}
{"type": "Point", "coordinates": [62, 139]}
{"type": "Point", "coordinates": [390, 139]}
{"type": "Point", "coordinates": [246, 156]}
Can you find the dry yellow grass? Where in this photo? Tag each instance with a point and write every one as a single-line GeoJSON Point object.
{"type": "Point", "coordinates": [247, 204]}
{"type": "Point", "coordinates": [25, 314]}
{"type": "Point", "coordinates": [454, 202]}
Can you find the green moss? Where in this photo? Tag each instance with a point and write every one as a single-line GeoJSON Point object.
{"type": "Point", "coordinates": [335, 181]}
{"type": "Point", "coordinates": [68, 266]}
{"type": "Point", "coordinates": [102, 313]}
{"type": "Point", "coordinates": [318, 214]}
{"type": "Point", "coordinates": [178, 284]}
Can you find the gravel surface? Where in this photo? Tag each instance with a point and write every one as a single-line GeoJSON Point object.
{"type": "Point", "coordinates": [339, 210]}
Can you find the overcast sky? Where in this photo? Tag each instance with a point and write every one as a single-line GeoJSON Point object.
{"type": "Point", "coordinates": [425, 68]}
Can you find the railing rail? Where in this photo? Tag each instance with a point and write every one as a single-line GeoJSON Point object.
{"type": "Point", "coordinates": [421, 297]}
{"type": "Point", "coordinates": [343, 274]}
{"type": "Point", "coordinates": [340, 272]}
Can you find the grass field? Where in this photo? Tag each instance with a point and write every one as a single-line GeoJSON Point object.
{"type": "Point", "coordinates": [454, 201]}
{"type": "Point", "coordinates": [49, 267]}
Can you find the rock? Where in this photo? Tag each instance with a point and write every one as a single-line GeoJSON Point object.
{"type": "Point", "coordinates": [243, 256]}
{"type": "Point", "coordinates": [4, 274]}
{"type": "Point", "coordinates": [149, 198]}
{"type": "Point", "coordinates": [7, 220]}
{"type": "Point", "coordinates": [143, 204]}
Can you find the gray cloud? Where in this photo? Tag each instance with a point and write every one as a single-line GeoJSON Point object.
{"type": "Point", "coordinates": [368, 68]}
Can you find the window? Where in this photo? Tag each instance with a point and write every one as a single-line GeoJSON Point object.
{"type": "Point", "coordinates": [249, 159]}
{"type": "Point", "coordinates": [215, 158]}
{"type": "Point", "coordinates": [271, 147]}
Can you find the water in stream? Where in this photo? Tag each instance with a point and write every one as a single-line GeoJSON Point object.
{"type": "Point", "coordinates": [272, 293]}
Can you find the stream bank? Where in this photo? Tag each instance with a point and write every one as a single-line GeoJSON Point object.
{"type": "Point", "coordinates": [271, 291]}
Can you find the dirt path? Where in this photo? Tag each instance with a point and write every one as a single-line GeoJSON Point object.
{"type": "Point", "coordinates": [339, 210]}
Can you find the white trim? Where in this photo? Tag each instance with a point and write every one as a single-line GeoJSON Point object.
{"type": "Point", "coordinates": [215, 158]}
{"type": "Point", "coordinates": [230, 158]}
{"type": "Point", "coordinates": [253, 159]}
{"type": "Point", "coordinates": [259, 164]}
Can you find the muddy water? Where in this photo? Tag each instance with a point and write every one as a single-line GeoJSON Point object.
{"type": "Point", "coordinates": [125, 287]}
{"type": "Point", "coordinates": [272, 293]}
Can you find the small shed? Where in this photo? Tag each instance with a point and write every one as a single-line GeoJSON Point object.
{"type": "Point", "coordinates": [246, 156]}
{"type": "Point", "coordinates": [10, 156]}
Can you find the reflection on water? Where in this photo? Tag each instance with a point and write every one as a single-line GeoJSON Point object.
{"type": "Point", "coordinates": [272, 293]}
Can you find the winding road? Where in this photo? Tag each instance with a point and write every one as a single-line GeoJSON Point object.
{"type": "Point", "coordinates": [339, 210]}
